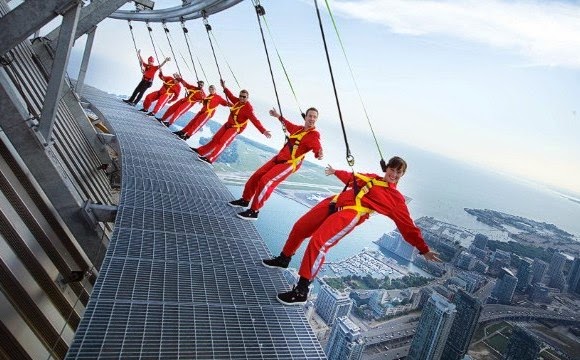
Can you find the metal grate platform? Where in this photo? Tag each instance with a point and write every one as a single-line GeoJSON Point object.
{"type": "Point", "coordinates": [182, 276]}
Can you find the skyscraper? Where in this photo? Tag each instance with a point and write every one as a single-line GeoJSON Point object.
{"type": "Point", "coordinates": [557, 263]}
{"type": "Point", "coordinates": [480, 241]}
{"type": "Point", "coordinates": [574, 277]}
{"type": "Point", "coordinates": [524, 274]}
{"type": "Point", "coordinates": [538, 271]}
{"type": "Point", "coordinates": [345, 342]}
{"type": "Point", "coordinates": [331, 304]}
{"type": "Point", "coordinates": [468, 311]}
{"type": "Point", "coordinates": [522, 346]}
{"type": "Point", "coordinates": [504, 288]}
{"type": "Point", "coordinates": [433, 329]}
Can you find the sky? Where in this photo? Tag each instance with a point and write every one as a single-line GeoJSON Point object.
{"type": "Point", "coordinates": [491, 83]}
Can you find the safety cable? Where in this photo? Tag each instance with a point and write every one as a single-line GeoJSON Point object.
{"type": "Point", "coordinates": [135, 45]}
{"type": "Point", "coordinates": [188, 40]}
{"type": "Point", "coordinates": [225, 59]}
{"type": "Point", "coordinates": [166, 30]}
{"type": "Point", "coordinates": [354, 79]}
{"type": "Point", "coordinates": [185, 31]}
{"type": "Point", "coordinates": [349, 157]}
{"type": "Point", "coordinates": [152, 42]}
{"type": "Point", "coordinates": [260, 11]}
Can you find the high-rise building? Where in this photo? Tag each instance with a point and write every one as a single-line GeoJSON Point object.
{"type": "Point", "coordinates": [468, 311]}
{"type": "Point", "coordinates": [557, 263]}
{"type": "Point", "coordinates": [465, 260]}
{"type": "Point", "coordinates": [331, 304]}
{"type": "Point", "coordinates": [480, 241]}
{"type": "Point", "coordinates": [480, 267]}
{"type": "Point", "coordinates": [524, 274]}
{"type": "Point", "coordinates": [574, 277]}
{"type": "Point", "coordinates": [538, 271]}
{"type": "Point", "coordinates": [345, 342]}
{"type": "Point", "coordinates": [499, 260]}
{"type": "Point", "coordinates": [522, 345]}
{"type": "Point", "coordinates": [480, 254]}
{"type": "Point", "coordinates": [395, 243]}
{"type": "Point", "coordinates": [540, 294]}
{"type": "Point", "coordinates": [433, 329]}
{"type": "Point", "coordinates": [504, 288]}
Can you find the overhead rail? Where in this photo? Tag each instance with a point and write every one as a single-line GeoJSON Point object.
{"type": "Point", "coordinates": [177, 13]}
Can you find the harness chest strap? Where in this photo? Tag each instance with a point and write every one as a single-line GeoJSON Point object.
{"type": "Point", "coordinates": [235, 110]}
{"type": "Point", "coordinates": [369, 183]}
{"type": "Point", "coordinates": [293, 159]}
{"type": "Point", "coordinates": [168, 86]}
{"type": "Point", "coordinates": [191, 93]}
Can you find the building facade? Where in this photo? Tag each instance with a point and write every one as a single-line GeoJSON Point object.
{"type": "Point", "coordinates": [345, 342]}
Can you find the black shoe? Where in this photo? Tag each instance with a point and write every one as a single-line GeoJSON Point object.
{"type": "Point", "coordinates": [185, 137]}
{"type": "Point", "coordinates": [143, 110]}
{"type": "Point", "coordinates": [126, 101]}
{"type": "Point", "coordinates": [248, 215]}
{"type": "Point", "coordinates": [158, 119]}
{"type": "Point", "coordinates": [203, 159]}
{"type": "Point", "coordinates": [240, 203]}
{"type": "Point", "coordinates": [194, 150]}
{"type": "Point", "coordinates": [150, 113]}
{"type": "Point", "coordinates": [293, 297]}
{"type": "Point", "coordinates": [166, 123]}
{"type": "Point", "coordinates": [281, 261]}
{"type": "Point", "coordinates": [178, 133]}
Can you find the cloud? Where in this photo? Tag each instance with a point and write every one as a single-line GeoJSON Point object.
{"type": "Point", "coordinates": [543, 33]}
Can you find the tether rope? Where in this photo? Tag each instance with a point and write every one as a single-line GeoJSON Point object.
{"type": "Point", "coordinates": [152, 42]}
{"type": "Point", "coordinates": [135, 45]}
{"type": "Point", "coordinates": [188, 40]}
{"type": "Point", "coordinates": [354, 79]}
{"type": "Point", "coordinates": [185, 31]}
{"type": "Point", "coordinates": [349, 157]}
{"type": "Point", "coordinates": [261, 12]}
{"type": "Point", "coordinates": [171, 47]}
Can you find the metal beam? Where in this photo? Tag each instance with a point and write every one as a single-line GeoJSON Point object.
{"type": "Point", "coordinates": [91, 15]}
{"type": "Point", "coordinates": [85, 61]}
{"type": "Point", "coordinates": [26, 19]}
{"type": "Point", "coordinates": [59, 65]}
{"type": "Point", "coordinates": [175, 14]}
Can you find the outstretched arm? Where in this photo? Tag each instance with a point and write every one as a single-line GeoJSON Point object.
{"type": "Point", "coordinates": [164, 62]}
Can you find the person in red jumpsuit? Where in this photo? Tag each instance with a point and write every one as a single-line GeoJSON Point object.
{"type": "Point", "coordinates": [193, 95]}
{"type": "Point", "coordinates": [240, 113]}
{"type": "Point", "coordinates": [168, 92]}
{"type": "Point", "coordinates": [336, 216]}
{"type": "Point", "coordinates": [260, 185]}
{"type": "Point", "coordinates": [148, 69]}
{"type": "Point", "coordinates": [210, 103]}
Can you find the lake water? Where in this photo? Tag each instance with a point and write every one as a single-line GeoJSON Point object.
{"type": "Point", "coordinates": [440, 188]}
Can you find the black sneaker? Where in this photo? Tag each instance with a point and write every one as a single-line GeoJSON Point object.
{"type": "Point", "coordinates": [240, 203]}
{"type": "Point", "coordinates": [194, 150]}
{"type": "Point", "coordinates": [185, 137]}
{"type": "Point", "coordinates": [143, 110]}
{"type": "Point", "coordinates": [293, 297]}
{"type": "Point", "coordinates": [203, 159]}
{"type": "Point", "coordinates": [166, 123]}
{"type": "Point", "coordinates": [158, 119]}
{"type": "Point", "coordinates": [248, 215]}
{"type": "Point", "coordinates": [126, 101]}
{"type": "Point", "coordinates": [281, 261]}
{"type": "Point", "coordinates": [150, 113]}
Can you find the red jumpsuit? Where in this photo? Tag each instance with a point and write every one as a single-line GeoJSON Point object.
{"type": "Point", "coordinates": [168, 92]}
{"type": "Point", "coordinates": [240, 114]}
{"type": "Point", "coordinates": [210, 103]}
{"type": "Point", "coordinates": [194, 94]}
{"type": "Point", "coordinates": [326, 229]}
{"type": "Point", "coordinates": [262, 182]}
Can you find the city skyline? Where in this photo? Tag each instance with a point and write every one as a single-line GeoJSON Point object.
{"type": "Point", "coordinates": [482, 89]}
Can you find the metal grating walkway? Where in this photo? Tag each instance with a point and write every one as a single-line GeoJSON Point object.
{"type": "Point", "coordinates": [182, 276]}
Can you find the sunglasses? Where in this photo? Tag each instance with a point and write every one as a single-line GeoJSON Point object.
{"type": "Point", "coordinates": [243, 96]}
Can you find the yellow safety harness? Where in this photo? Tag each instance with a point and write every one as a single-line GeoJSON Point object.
{"type": "Point", "coordinates": [293, 159]}
{"type": "Point", "coordinates": [168, 85]}
{"type": "Point", "coordinates": [235, 110]}
{"type": "Point", "coordinates": [206, 102]}
{"type": "Point", "coordinates": [369, 183]}
{"type": "Point", "coordinates": [191, 93]}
